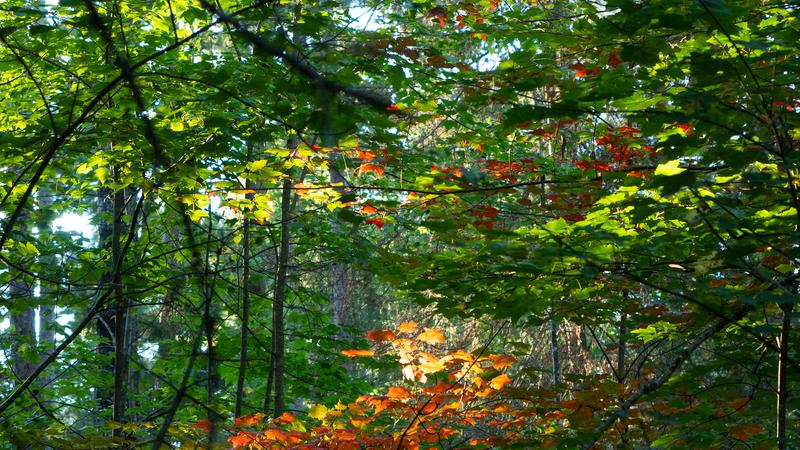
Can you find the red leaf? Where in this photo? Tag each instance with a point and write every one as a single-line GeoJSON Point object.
{"type": "Point", "coordinates": [381, 335]}
{"type": "Point", "coordinates": [203, 424]}
{"type": "Point", "coordinates": [377, 221]}
{"type": "Point", "coordinates": [685, 127]}
{"type": "Point", "coordinates": [613, 60]}
{"type": "Point", "coordinates": [580, 70]}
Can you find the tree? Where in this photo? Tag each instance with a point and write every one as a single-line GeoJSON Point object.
{"type": "Point", "coordinates": [619, 178]}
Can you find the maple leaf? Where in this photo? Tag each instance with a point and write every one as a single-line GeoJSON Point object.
{"type": "Point", "coordinates": [284, 419]}
{"type": "Point", "coordinates": [246, 421]}
{"type": "Point", "coordinates": [580, 70]}
{"type": "Point", "coordinates": [318, 412]}
{"type": "Point", "coordinates": [499, 381]}
{"type": "Point", "coordinates": [241, 439]}
{"type": "Point", "coordinates": [398, 393]}
{"type": "Point", "coordinates": [377, 170]}
{"type": "Point", "coordinates": [431, 336]}
{"type": "Point", "coordinates": [367, 209]}
{"type": "Point", "coordinates": [407, 327]}
{"type": "Point", "coordinates": [686, 128]}
{"type": "Point", "coordinates": [377, 221]}
{"type": "Point", "coordinates": [356, 352]}
{"type": "Point", "coordinates": [500, 361]}
{"type": "Point", "coordinates": [744, 431]}
{"type": "Point", "coordinates": [366, 155]}
{"type": "Point", "coordinates": [381, 335]}
{"type": "Point", "coordinates": [203, 424]}
{"type": "Point", "coordinates": [613, 60]}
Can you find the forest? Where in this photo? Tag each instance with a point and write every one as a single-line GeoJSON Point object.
{"type": "Point", "coordinates": [385, 224]}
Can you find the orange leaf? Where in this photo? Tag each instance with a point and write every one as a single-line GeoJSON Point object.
{"type": "Point", "coordinates": [367, 209]}
{"type": "Point", "coordinates": [407, 327]}
{"type": "Point", "coordinates": [378, 170]}
{"type": "Point", "coordinates": [284, 418]}
{"type": "Point", "coordinates": [246, 421]}
{"type": "Point", "coordinates": [500, 361]}
{"type": "Point", "coordinates": [203, 424]}
{"type": "Point", "coordinates": [241, 439]}
{"type": "Point", "coordinates": [381, 335]}
{"type": "Point", "coordinates": [499, 381]}
{"type": "Point", "coordinates": [366, 155]}
{"type": "Point", "coordinates": [355, 352]}
{"type": "Point", "coordinates": [398, 393]}
{"type": "Point", "coordinates": [431, 336]}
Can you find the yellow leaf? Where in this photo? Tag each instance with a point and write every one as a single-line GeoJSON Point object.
{"type": "Point", "coordinates": [670, 168]}
{"type": "Point", "coordinates": [318, 412]}
{"type": "Point", "coordinates": [431, 336]}
{"type": "Point", "coordinates": [176, 125]}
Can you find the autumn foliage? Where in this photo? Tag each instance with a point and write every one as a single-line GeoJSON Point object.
{"type": "Point", "coordinates": [446, 396]}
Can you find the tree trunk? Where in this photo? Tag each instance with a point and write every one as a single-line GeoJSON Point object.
{"type": "Point", "coordinates": [105, 319]}
{"type": "Point", "coordinates": [120, 311]}
{"type": "Point", "coordinates": [212, 383]}
{"type": "Point", "coordinates": [245, 327]}
{"type": "Point", "coordinates": [783, 387]}
{"type": "Point", "coordinates": [278, 337]}
{"type": "Point", "coordinates": [47, 290]}
{"type": "Point", "coordinates": [556, 360]}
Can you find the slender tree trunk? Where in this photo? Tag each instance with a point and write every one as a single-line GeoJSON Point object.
{"type": "Point", "coordinates": [339, 285]}
{"type": "Point", "coordinates": [105, 319]}
{"type": "Point", "coordinates": [212, 384]}
{"type": "Point", "coordinates": [554, 354]}
{"type": "Point", "coordinates": [622, 355]}
{"type": "Point", "coordinates": [245, 328]}
{"type": "Point", "coordinates": [783, 387]}
{"type": "Point", "coordinates": [270, 378]}
{"type": "Point", "coordinates": [120, 311]}
{"type": "Point", "coordinates": [278, 337]}
{"type": "Point", "coordinates": [23, 323]}
{"type": "Point", "coordinates": [47, 290]}
{"type": "Point", "coordinates": [622, 349]}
